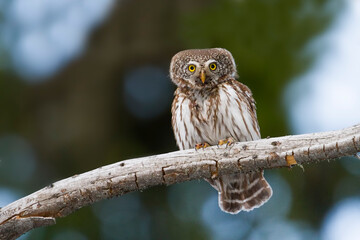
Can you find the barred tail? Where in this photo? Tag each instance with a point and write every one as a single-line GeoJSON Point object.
{"type": "Point", "coordinates": [242, 191]}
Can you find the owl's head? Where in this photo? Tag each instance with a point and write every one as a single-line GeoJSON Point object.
{"type": "Point", "coordinates": [202, 68]}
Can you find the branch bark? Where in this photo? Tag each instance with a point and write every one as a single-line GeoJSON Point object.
{"type": "Point", "coordinates": [64, 197]}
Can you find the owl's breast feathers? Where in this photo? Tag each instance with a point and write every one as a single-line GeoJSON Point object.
{"type": "Point", "coordinates": [208, 115]}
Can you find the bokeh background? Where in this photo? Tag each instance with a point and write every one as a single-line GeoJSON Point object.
{"type": "Point", "coordinates": [85, 83]}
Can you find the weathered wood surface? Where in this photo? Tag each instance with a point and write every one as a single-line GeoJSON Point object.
{"type": "Point", "coordinates": [64, 197]}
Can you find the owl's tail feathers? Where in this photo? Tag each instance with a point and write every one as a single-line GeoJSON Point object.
{"type": "Point", "coordinates": [242, 191]}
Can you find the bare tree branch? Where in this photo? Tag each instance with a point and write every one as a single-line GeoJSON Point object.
{"type": "Point", "coordinates": [64, 197]}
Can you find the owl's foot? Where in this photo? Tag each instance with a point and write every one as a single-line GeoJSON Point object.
{"type": "Point", "coordinates": [228, 141]}
{"type": "Point", "coordinates": [201, 145]}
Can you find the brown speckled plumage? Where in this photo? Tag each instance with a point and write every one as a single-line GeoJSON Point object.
{"type": "Point", "coordinates": [217, 108]}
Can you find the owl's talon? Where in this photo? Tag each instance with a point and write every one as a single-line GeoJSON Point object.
{"type": "Point", "coordinates": [222, 142]}
{"type": "Point", "coordinates": [198, 146]}
{"type": "Point", "coordinates": [201, 145]}
{"type": "Point", "coordinates": [228, 141]}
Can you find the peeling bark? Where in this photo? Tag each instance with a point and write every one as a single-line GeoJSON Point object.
{"type": "Point", "coordinates": [64, 197]}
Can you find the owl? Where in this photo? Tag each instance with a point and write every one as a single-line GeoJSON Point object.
{"type": "Point", "coordinates": [211, 107]}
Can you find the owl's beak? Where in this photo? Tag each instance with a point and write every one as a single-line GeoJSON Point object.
{"type": "Point", "coordinates": [202, 76]}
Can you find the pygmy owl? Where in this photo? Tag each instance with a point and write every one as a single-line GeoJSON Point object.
{"type": "Point", "coordinates": [211, 107]}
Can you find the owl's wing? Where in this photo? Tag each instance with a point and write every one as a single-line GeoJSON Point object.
{"type": "Point", "coordinates": [248, 95]}
{"type": "Point", "coordinates": [250, 101]}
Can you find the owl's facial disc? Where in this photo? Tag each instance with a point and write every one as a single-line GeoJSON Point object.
{"type": "Point", "coordinates": [202, 74]}
{"type": "Point", "coordinates": [202, 68]}
{"type": "Point", "coordinates": [208, 74]}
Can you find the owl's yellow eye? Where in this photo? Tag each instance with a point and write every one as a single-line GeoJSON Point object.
{"type": "Point", "coordinates": [213, 66]}
{"type": "Point", "coordinates": [192, 68]}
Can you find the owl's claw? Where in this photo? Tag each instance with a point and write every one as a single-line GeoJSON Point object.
{"type": "Point", "coordinates": [201, 145]}
{"type": "Point", "coordinates": [228, 141]}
